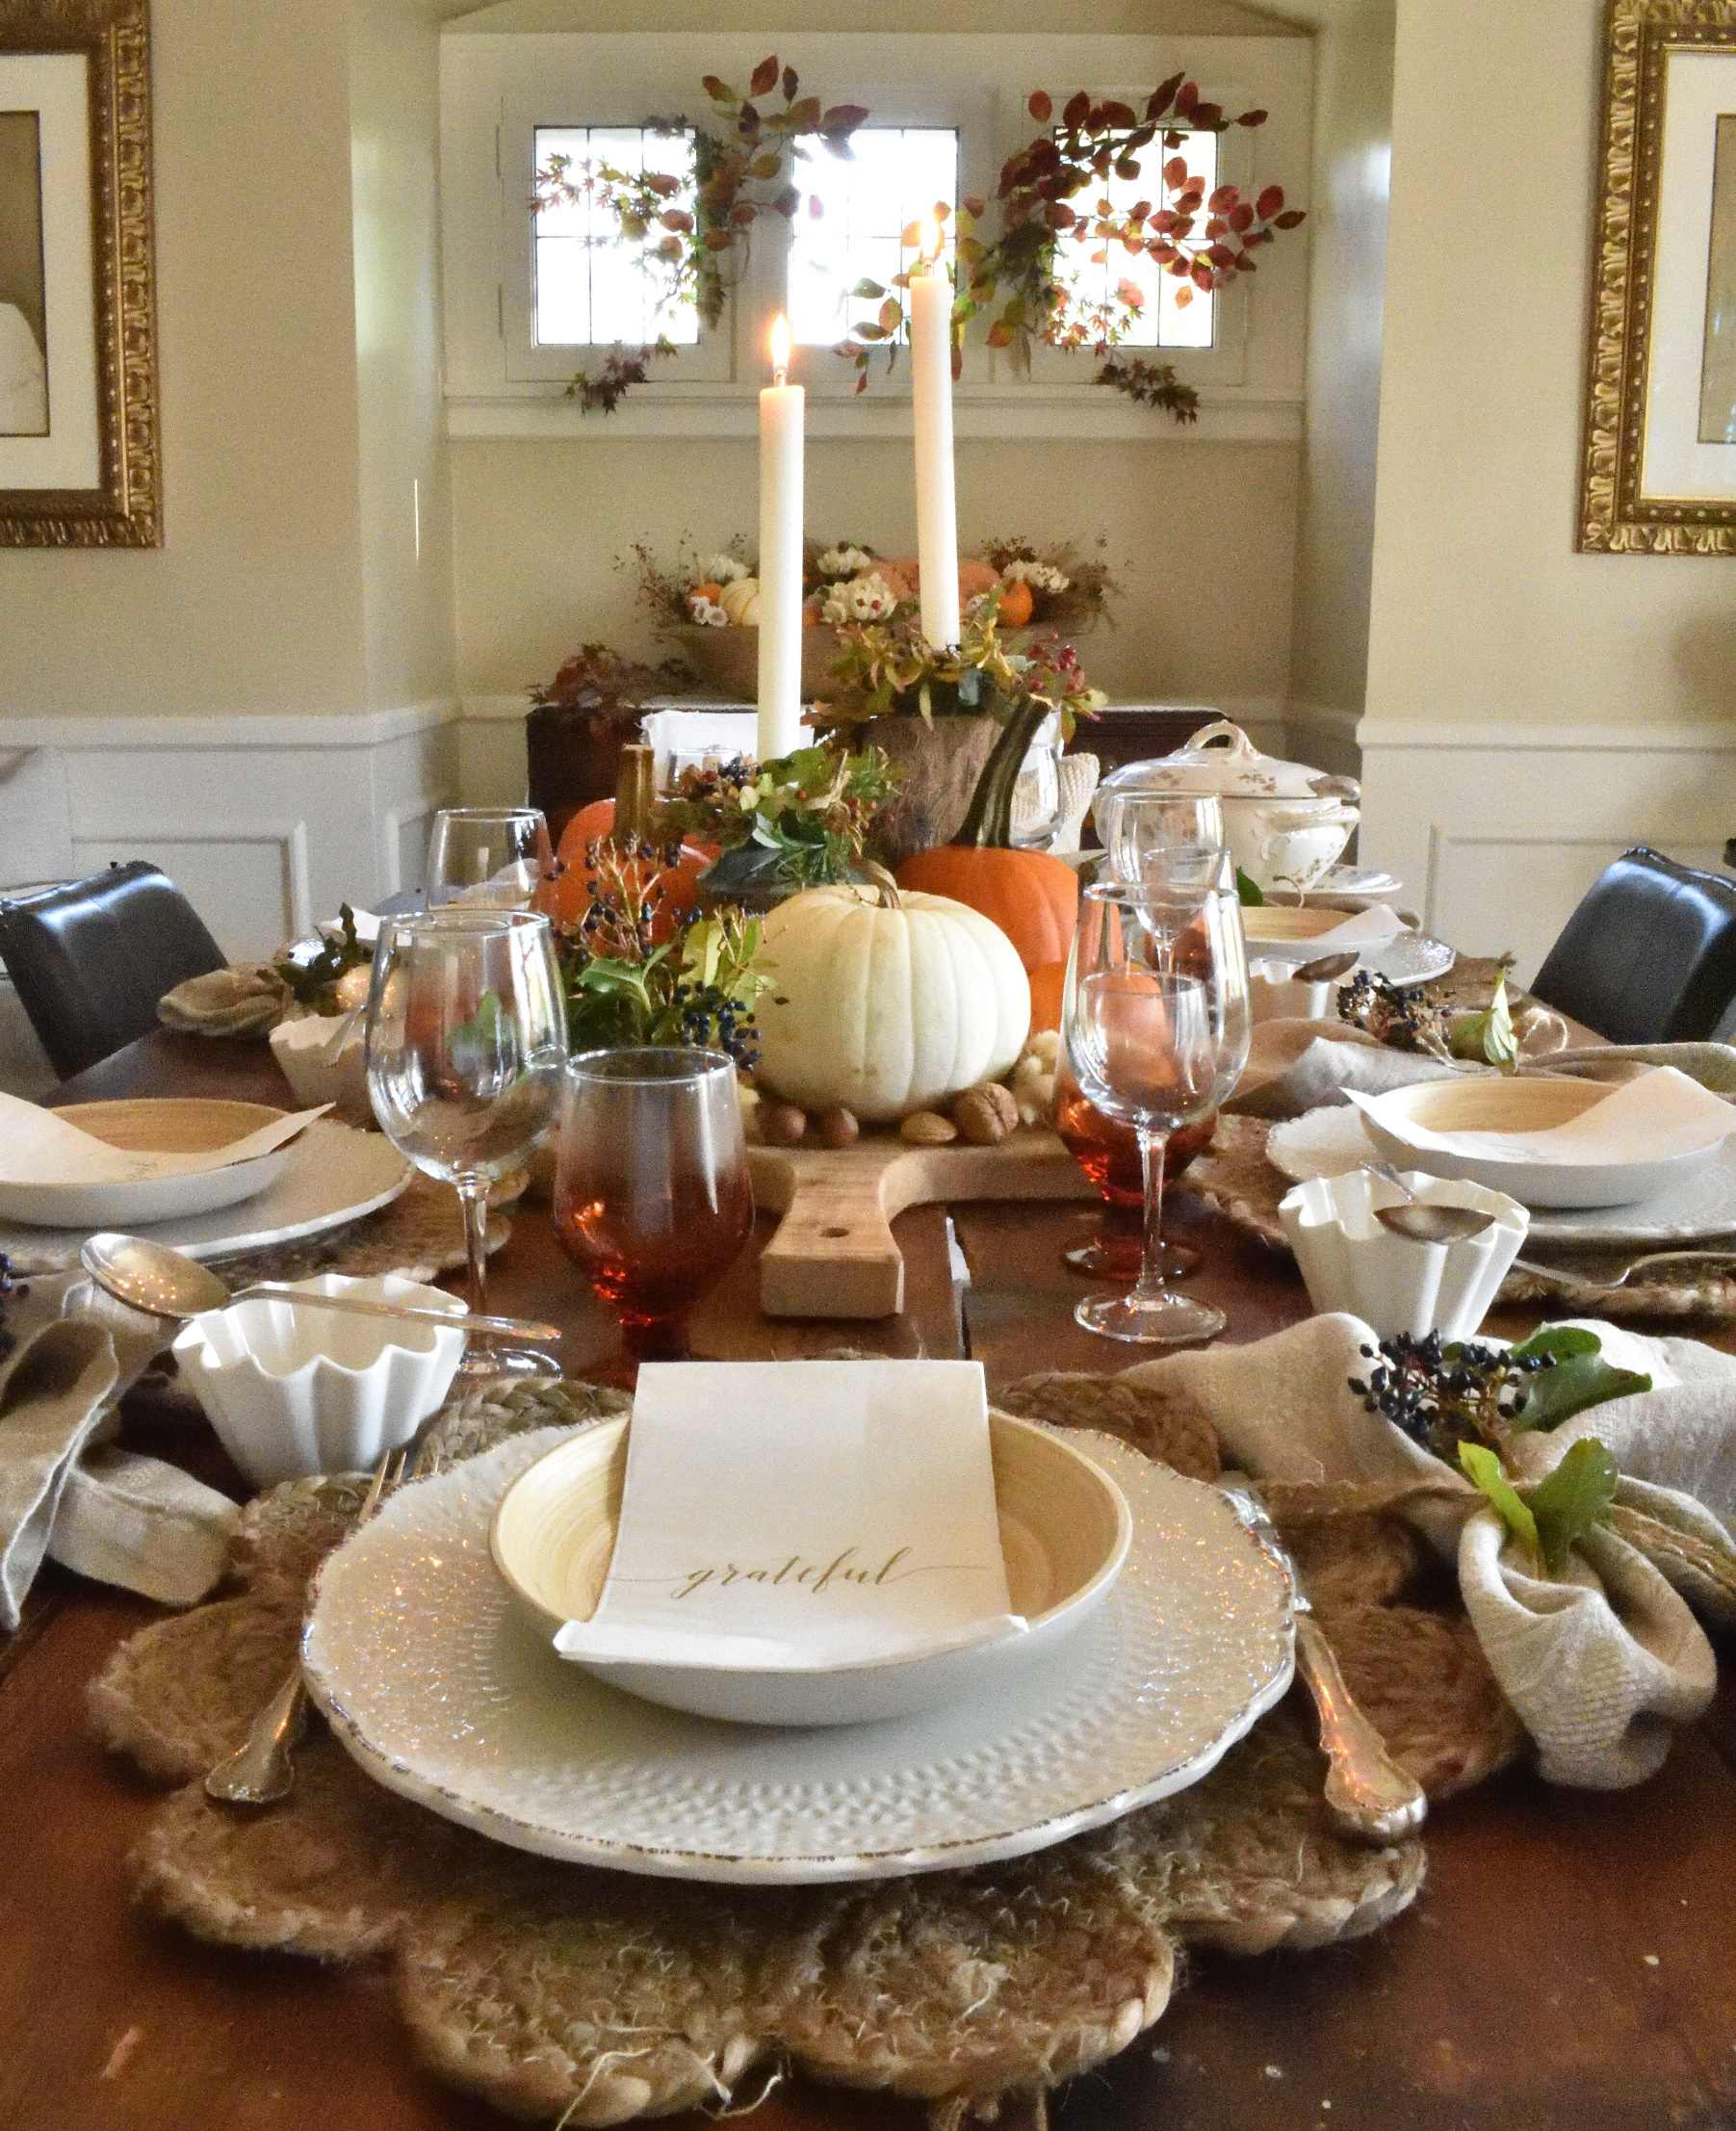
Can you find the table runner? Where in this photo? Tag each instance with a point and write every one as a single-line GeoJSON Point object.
{"type": "Point", "coordinates": [564, 1992]}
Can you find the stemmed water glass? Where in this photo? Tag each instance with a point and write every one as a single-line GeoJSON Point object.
{"type": "Point", "coordinates": [497, 857]}
{"type": "Point", "coordinates": [1156, 1023]}
{"type": "Point", "coordinates": [651, 1197]}
{"type": "Point", "coordinates": [1163, 835]}
{"type": "Point", "coordinates": [466, 1047]}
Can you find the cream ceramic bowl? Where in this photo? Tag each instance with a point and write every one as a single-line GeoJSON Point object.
{"type": "Point", "coordinates": [1520, 1105]}
{"type": "Point", "coordinates": [1065, 1529]}
{"type": "Point", "coordinates": [158, 1125]}
{"type": "Point", "coordinates": [294, 1392]}
{"type": "Point", "coordinates": [316, 1073]}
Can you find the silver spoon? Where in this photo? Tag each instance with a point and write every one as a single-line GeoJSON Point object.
{"type": "Point", "coordinates": [1328, 966]}
{"type": "Point", "coordinates": [168, 1284]}
{"type": "Point", "coordinates": [1425, 1223]}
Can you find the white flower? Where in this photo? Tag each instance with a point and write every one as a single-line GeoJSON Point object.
{"type": "Point", "coordinates": [843, 562]}
{"type": "Point", "coordinates": [1041, 577]}
{"type": "Point", "coordinates": [721, 570]}
{"type": "Point", "coordinates": [867, 598]}
{"type": "Point", "coordinates": [707, 612]}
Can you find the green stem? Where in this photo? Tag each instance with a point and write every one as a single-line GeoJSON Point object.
{"type": "Point", "coordinates": [990, 820]}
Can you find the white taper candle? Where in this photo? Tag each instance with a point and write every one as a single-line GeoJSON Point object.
{"type": "Point", "coordinates": [931, 393]}
{"type": "Point", "coordinates": [781, 416]}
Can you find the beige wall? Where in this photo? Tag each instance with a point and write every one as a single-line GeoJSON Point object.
{"type": "Point", "coordinates": [539, 527]}
{"type": "Point", "coordinates": [1111, 17]}
{"type": "Point", "coordinates": [1482, 610]}
{"type": "Point", "coordinates": [404, 469]}
{"type": "Point", "coordinates": [296, 210]}
{"type": "Point", "coordinates": [1353, 145]}
{"type": "Point", "coordinates": [254, 602]}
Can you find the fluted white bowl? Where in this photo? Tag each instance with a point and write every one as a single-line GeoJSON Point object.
{"type": "Point", "coordinates": [318, 1074]}
{"type": "Point", "coordinates": [293, 1390]}
{"type": "Point", "coordinates": [1351, 1263]}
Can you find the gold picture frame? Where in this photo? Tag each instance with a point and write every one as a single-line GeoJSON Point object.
{"type": "Point", "coordinates": [80, 456]}
{"type": "Point", "coordinates": [1654, 480]}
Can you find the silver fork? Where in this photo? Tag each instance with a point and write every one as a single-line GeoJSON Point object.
{"type": "Point", "coordinates": [1366, 1791]}
{"type": "Point", "coordinates": [1587, 1277]}
{"type": "Point", "coordinates": [262, 1769]}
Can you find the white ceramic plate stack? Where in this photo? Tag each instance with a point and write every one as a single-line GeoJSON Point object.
{"type": "Point", "coordinates": [445, 1686]}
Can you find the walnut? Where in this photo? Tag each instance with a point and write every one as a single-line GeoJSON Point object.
{"type": "Point", "coordinates": [782, 1124]}
{"type": "Point", "coordinates": [837, 1127]}
{"type": "Point", "coordinates": [927, 1129]}
{"type": "Point", "coordinates": [985, 1115]}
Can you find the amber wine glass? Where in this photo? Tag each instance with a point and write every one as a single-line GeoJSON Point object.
{"type": "Point", "coordinates": [652, 1198]}
{"type": "Point", "coordinates": [466, 1044]}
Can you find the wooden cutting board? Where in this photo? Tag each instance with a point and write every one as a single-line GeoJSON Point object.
{"type": "Point", "coordinates": [834, 1255]}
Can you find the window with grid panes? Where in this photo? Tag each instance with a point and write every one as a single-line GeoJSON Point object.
{"type": "Point", "coordinates": [1164, 322]}
{"type": "Point", "coordinates": [593, 286]}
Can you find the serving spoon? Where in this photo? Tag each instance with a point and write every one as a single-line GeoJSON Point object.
{"type": "Point", "coordinates": [1326, 968]}
{"type": "Point", "coordinates": [166, 1282]}
{"type": "Point", "coordinates": [1425, 1223]}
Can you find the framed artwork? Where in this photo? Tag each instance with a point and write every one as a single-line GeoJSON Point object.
{"type": "Point", "coordinates": [1659, 433]}
{"type": "Point", "coordinates": [79, 460]}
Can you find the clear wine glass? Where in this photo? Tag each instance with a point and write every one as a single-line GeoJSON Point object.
{"type": "Point", "coordinates": [651, 1197]}
{"type": "Point", "coordinates": [1165, 835]}
{"type": "Point", "coordinates": [1156, 1023]}
{"type": "Point", "coordinates": [499, 858]}
{"type": "Point", "coordinates": [466, 1050]}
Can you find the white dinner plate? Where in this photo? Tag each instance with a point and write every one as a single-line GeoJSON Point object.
{"type": "Point", "coordinates": [1408, 958]}
{"type": "Point", "coordinates": [333, 1173]}
{"type": "Point", "coordinates": [153, 1202]}
{"type": "Point", "coordinates": [446, 1688]}
{"type": "Point", "coordinates": [1327, 1142]}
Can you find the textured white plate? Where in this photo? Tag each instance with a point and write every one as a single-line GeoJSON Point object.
{"type": "Point", "coordinates": [334, 1174]}
{"type": "Point", "coordinates": [145, 1202]}
{"type": "Point", "coordinates": [1327, 1142]}
{"type": "Point", "coordinates": [445, 1687]}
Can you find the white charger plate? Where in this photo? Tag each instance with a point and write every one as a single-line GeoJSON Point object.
{"type": "Point", "coordinates": [1328, 1141]}
{"type": "Point", "coordinates": [446, 1688]}
{"type": "Point", "coordinates": [141, 1201]}
{"type": "Point", "coordinates": [1357, 880]}
{"type": "Point", "coordinates": [333, 1173]}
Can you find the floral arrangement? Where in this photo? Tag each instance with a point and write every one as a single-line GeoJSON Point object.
{"type": "Point", "coordinates": [802, 821]}
{"type": "Point", "coordinates": [1016, 280]}
{"type": "Point", "coordinates": [602, 683]}
{"type": "Point", "coordinates": [846, 584]}
{"type": "Point", "coordinates": [638, 972]}
{"type": "Point", "coordinates": [880, 664]}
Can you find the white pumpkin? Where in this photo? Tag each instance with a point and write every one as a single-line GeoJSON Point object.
{"type": "Point", "coordinates": [885, 1006]}
{"type": "Point", "coordinates": [737, 598]}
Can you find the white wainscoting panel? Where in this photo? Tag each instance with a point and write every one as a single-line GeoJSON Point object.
{"type": "Point", "coordinates": [492, 769]}
{"type": "Point", "coordinates": [266, 823]}
{"type": "Point", "coordinates": [1497, 832]}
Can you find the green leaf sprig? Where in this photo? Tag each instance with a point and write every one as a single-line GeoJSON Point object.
{"type": "Point", "coordinates": [313, 979]}
{"type": "Point", "coordinates": [1550, 1518]}
{"type": "Point", "coordinates": [1488, 1037]}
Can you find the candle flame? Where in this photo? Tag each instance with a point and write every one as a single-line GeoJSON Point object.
{"type": "Point", "coordinates": [930, 231]}
{"type": "Point", "coordinates": [780, 346]}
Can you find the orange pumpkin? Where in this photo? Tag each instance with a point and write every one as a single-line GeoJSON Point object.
{"type": "Point", "coordinates": [1046, 983]}
{"type": "Point", "coordinates": [590, 825]}
{"type": "Point", "coordinates": [1031, 895]}
{"type": "Point", "coordinates": [1015, 603]}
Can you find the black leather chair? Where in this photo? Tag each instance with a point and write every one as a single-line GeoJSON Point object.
{"type": "Point", "coordinates": [1650, 955]}
{"type": "Point", "coordinates": [90, 960]}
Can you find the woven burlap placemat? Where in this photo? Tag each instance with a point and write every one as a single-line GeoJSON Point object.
{"type": "Point", "coordinates": [1235, 1177]}
{"type": "Point", "coordinates": [592, 1997]}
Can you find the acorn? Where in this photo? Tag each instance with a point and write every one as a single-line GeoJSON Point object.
{"type": "Point", "coordinates": [782, 1124]}
{"type": "Point", "coordinates": [838, 1129]}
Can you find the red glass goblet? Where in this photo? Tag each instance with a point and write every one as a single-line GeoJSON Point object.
{"type": "Point", "coordinates": [652, 1198]}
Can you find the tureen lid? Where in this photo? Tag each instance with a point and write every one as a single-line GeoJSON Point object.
{"type": "Point", "coordinates": [1221, 757]}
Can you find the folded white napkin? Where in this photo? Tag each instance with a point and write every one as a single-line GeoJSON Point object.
{"type": "Point", "coordinates": [1601, 1664]}
{"type": "Point", "coordinates": [1660, 1114]}
{"type": "Point", "coordinates": [42, 1146]}
{"type": "Point", "coordinates": [801, 1516]}
{"type": "Point", "coordinates": [1372, 928]}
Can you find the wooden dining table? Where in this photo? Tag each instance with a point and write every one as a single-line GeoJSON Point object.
{"type": "Point", "coordinates": [1569, 1965]}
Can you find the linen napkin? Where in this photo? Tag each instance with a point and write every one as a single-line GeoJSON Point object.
{"type": "Point", "coordinates": [247, 998]}
{"type": "Point", "coordinates": [1661, 1114]}
{"type": "Point", "coordinates": [1296, 1066]}
{"type": "Point", "coordinates": [1601, 1665]}
{"type": "Point", "coordinates": [107, 1513]}
{"type": "Point", "coordinates": [801, 1516]}
{"type": "Point", "coordinates": [41, 1146]}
